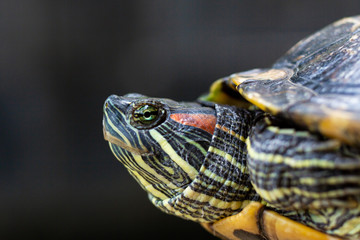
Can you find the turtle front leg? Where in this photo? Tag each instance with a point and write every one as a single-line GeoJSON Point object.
{"type": "Point", "coordinates": [316, 180]}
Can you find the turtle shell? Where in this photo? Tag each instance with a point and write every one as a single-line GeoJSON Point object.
{"type": "Point", "coordinates": [316, 84]}
{"type": "Point", "coordinates": [255, 222]}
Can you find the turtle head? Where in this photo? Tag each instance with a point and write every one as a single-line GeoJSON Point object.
{"type": "Point", "coordinates": [161, 142]}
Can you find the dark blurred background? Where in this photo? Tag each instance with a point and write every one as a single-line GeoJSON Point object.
{"type": "Point", "coordinates": [59, 60]}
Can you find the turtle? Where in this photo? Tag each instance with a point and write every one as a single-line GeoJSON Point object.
{"type": "Point", "coordinates": [269, 153]}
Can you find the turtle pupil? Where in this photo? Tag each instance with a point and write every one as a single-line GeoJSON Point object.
{"type": "Point", "coordinates": [147, 114]}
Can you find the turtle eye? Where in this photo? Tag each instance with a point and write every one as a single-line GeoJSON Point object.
{"type": "Point", "coordinates": [147, 116]}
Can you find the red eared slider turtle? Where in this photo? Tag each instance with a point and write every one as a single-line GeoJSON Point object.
{"type": "Point", "coordinates": [267, 154]}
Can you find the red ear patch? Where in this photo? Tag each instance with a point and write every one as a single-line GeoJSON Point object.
{"type": "Point", "coordinates": [204, 121]}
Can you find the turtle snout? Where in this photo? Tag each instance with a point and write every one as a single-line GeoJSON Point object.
{"type": "Point", "coordinates": [116, 102]}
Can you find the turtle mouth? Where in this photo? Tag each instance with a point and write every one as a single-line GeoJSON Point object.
{"type": "Point", "coordinates": [116, 141]}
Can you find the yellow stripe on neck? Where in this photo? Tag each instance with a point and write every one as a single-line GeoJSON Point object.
{"type": "Point", "coordinates": [166, 147]}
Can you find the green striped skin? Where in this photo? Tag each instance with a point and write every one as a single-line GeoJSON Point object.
{"type": "Point", "coordinates": [310, 179]}
{"type": "Point", "coordinates": [150, 156]}
{"type": "Point", "coordinates": [313, 173]}
{"type": "Point", "coordinates": [191, 173]}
